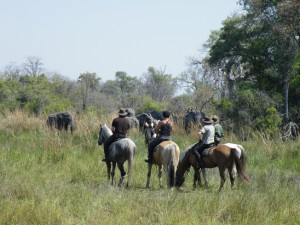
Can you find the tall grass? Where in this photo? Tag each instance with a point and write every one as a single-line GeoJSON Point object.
{"type": "Point", "coordinates": [51, 177]}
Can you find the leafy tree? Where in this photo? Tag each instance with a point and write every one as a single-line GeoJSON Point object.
{"type": "Point", "coordinates": [158, 85]}
{"type": "Point", "coordinates": [259, 46]}
{"type": "Point", "coordinates": [280, 22]}
{"type": "Point", "coordinates": [149, 104]}
{"type": "Point", "coordinates": [88, 82]}
{"type": "Point", "coordinates": [127, 86]}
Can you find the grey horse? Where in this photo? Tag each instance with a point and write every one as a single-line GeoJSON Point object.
{"type": "Point", "coordinates": [120, 151]}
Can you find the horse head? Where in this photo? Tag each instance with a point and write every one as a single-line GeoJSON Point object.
{"type": "Point", "coordinates": [149, 132]}
{"type": "Point", "coordinates": [182, 168]}
{"type": "Point", "coordinates": [104, 133]}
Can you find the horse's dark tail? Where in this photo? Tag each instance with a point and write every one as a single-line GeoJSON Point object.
{"type": "Point", "coordinates": [240, 162]}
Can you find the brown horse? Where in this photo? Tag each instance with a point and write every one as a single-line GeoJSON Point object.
{"type": "Point", "coordinates": [227, 156]}
{"type": "Point", "coordinates": [165, 156]}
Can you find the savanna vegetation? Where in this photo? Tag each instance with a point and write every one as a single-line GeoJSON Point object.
{"type": "Point", "coordinates": [51, 177]}
{"type": "Point", "coordinates": [248, 74]}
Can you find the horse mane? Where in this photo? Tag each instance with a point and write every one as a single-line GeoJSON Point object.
{"type": "Point", "coordinates": [183, 154]}
{"type": "Point", "coordinates": [106, 130]}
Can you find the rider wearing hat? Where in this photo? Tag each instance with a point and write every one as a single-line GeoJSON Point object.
{"type": "Point", "coordinates": [207, 141]}
{"type": "Point", "coordinates": [219, 133]}
{"type": "Point", "coordinates": [163, 130]}
{"type": "Point", "coordinates": [120, 127]}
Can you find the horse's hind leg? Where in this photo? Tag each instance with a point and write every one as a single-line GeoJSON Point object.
{"type": "Point", "coordinates": [232, 175]}
{"type": "Point", "coordinates": [203, 170]}
{"type": "Point", "coordinates": [197, 178]}
{"type": "Point", "coordinates": [108, 167]}
{"type": "Point", "coordinates": [129, 171]}
{"type": "Point", "coordinates": [149, 175]}
{"type": "Point", "coordinates": [167, 172]}
{"type": "Point", "coordinates": [222, 176]}
{"type": "Point", "coordinates": [160, 176]}
{"type": "Point", "coordinates": [113, 173]}
{"type": "Point", "coordinates": [123, 174]}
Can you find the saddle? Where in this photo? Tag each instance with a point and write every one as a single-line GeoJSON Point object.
{"type": "Point", "coordinates": [155, 148]}
{"type": "Point", "coordinates": [118, 139]}
{"type": "Point", "coordinates": [205, 151]}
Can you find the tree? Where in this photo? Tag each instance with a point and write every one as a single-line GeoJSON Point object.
{"type": "Point", "coordinates": [33, 66]}
{"type": "Point", "coordinates": [190, 79]}
{"type": "Point", "coordinates": [259, 46]}
{"type": "Point", "coordinates": [88, 82]}
{"type": "Point", "coordinates": [158, 85]}
{"type": "Point", "coordinates": [281, 30]}
{"type": "Point", "coordinates": [127, 86]}
{"type": "Point", "coordinates": [12, 71]}
{"type": "Point", "coordinates": [226, 51]}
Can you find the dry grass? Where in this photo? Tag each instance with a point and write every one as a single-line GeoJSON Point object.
{"type": "Point", "coordinates": [50, 177]}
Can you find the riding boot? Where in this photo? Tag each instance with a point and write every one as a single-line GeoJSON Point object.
{"type": "Point", "coordinates": [200, 163]}
{"type": "Point", "coordinates": [198, 158]}
{"type": "Point", "coordinates": [106, 158]}
{"type": "Point", "coordinates": [150, 159]}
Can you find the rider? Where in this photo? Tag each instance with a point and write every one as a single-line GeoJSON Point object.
{"type": "Point", "coordinates": [163, 130]}
{"type": "Point", "coordinates": [219, 133]}
{"type": "Point", "coordinates": [208, 133]}
{"type": "Point", "coordinates": [120, 127]}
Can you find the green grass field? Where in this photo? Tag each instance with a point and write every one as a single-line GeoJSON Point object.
{"type": "Point", "coordinates": [48, 177]}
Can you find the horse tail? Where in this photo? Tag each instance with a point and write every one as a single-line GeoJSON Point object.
{"type": "Point", "coordinates": [243, 158]}
{"type": "Point", "coordinates": [172, 165]}
{"type": "Point", "coordinates": [132, 151]}
{"type": "Point", "coordinates": [239, 162]}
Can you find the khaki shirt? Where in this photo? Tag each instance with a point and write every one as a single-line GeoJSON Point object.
{"type": "Point", "coordinates": [208, 132]}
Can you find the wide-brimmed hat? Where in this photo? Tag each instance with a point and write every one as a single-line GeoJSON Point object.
{"type": "Point", "coordinates": [123, 112]}
{"type": "Point", "coordinates": [215, 118]}
{"type": "Point", "coordinates": [207, 120]}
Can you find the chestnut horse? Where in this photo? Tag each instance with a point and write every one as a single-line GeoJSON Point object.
{"type": "Point", "coordinates": [165, 156]}
{"type": "Point", "coordinates": [227, 156]}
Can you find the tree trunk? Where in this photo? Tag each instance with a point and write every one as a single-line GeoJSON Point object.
{"type": "Point", "coordinates": [286, 97]}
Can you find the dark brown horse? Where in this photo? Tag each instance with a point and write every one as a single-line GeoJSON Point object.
{"type": "Point", "coordinates": [188, 160]}
{"type": "Point", "coordinates": [228, 156]}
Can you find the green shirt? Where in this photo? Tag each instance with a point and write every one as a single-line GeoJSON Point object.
{"type": "Point", "coordinates": [218, 130]}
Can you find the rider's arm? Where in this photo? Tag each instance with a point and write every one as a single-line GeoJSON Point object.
{"type": "Point", "coordinates": [157, 128]}
{"type": "Point", "coordinates": [200, 133]}
{"type": "Point", "coordinates": [113, 129]}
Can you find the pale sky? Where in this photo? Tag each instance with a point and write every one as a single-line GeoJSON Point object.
{"type": "Point", "coordinates": [73, 37]}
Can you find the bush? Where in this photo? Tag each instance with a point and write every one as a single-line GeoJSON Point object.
{"type": "Point", "coordinates": [270, 122]}
{"type": "Point", "coordinates": [149, 104]}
